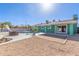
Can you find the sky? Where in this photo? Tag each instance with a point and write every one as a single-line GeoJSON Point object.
{"type": "Point", "coordinates": [35, 13]}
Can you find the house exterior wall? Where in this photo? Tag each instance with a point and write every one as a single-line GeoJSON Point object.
{"type": "Point", "coordinates": [70, 27]}
{"type": "Point", "coordinates": [53, 28]}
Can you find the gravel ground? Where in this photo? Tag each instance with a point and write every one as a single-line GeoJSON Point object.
{"type": "Point", "coordinates": [39, 47]}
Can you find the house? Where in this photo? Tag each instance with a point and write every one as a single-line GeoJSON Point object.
{"type": "Point", "coordinates": [68, 27]}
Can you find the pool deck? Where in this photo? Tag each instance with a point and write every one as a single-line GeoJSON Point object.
{"type": "Point", "coordinates": [21, 36]}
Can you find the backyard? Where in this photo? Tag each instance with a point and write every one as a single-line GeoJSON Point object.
{"type": "Point", "coordinates": [39, 29]}
{"type": "Point", "coordinates": [36, 46]}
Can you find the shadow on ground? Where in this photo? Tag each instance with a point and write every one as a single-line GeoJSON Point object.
{"type": "Point", "coordinates": [63, 36]}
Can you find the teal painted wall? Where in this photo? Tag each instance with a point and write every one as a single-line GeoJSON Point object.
{"type": "Point", "coordinates": [71, 29]}
{"type": "Point", "coordinates": [56, 29]}
{"type": "Point", "coordinates": [47, 30]}
{"type": "Point", "coordinates": [75, 28]}
{"type": "Point", "coordinates": [53, 28]}
{"type": "Point", "coordinates": [42, 29]}
{"type": "Point", "coordinates": [39, 28]}
{"type": "Point", "coordinates": [68, 29]}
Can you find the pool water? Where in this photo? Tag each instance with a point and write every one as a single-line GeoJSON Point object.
{"type": "Point", "coordinates": [25, 32]}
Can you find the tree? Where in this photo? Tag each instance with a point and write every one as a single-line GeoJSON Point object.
{"type": "Point", "coordinates": [34, 29]}
{"type": "Point", "coordinates": [75, 17]}
{"type": "Point", "coordinates": [2, 26]}
{"type": "Point", "coordinates": [47, 21]}
{"type": "Point", "coordinates": [53, 20]}
{"type": "Point", "coordinates": [7, 23]}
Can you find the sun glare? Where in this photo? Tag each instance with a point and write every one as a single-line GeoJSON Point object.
{"type": "Point", "coordinates": [47, 6]}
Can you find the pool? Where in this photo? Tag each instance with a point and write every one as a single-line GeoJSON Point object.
{"type": "Point", "coordinates": [24, 31]}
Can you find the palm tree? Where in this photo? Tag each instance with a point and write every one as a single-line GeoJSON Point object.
{"type": "Point", "coordinates": [2, 26]}
{"type": "Point", "coordinates": [47, 21]}
{"type": "Point", "coordinates": [75, 17]}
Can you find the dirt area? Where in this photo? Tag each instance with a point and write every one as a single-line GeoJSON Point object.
{"type": "Point", "coordinates": [39, 47]}
{"type": "Point", "coordinates": [4, 40]}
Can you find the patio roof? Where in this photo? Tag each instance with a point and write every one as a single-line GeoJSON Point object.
{"type": "Point", "coordinates": [58, 23]}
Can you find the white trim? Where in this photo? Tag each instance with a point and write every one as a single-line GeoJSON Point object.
{"type": "Point", "coordinates": [57, 23]}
